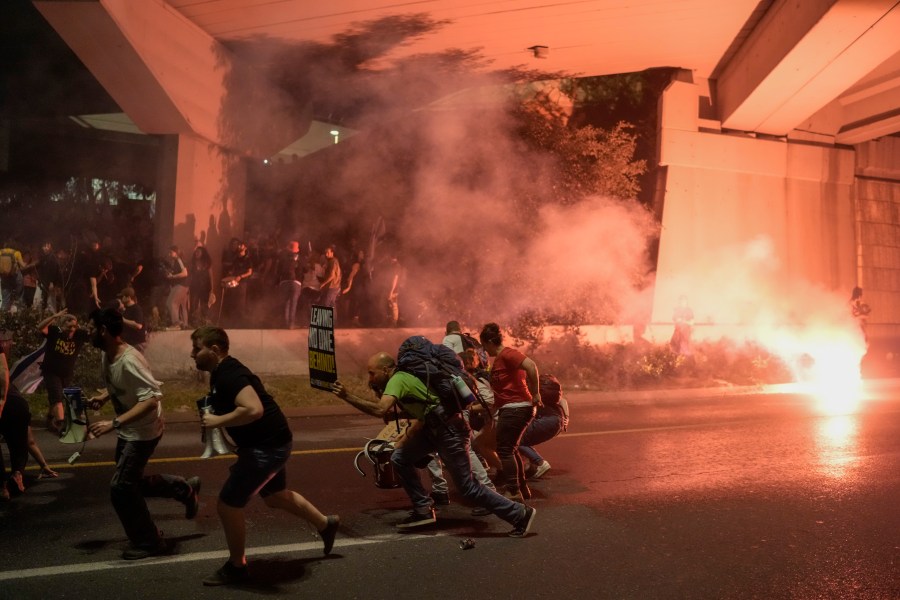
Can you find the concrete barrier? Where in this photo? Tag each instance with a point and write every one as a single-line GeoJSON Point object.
{"type": "Point", "coordinates": [284, 352]}
{"type": "Point", "coordinates": [280, 351]}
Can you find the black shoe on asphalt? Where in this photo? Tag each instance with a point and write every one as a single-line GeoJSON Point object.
{"type": "Point", "coordinates": [440, 498]}
{"type": "Point", "coordinates": [417, 519]}
{"type": "Point", "coordinates": [329, 532]}
{"type": "Point", "coordinates": [228, 574]}
{"type": "Point", "coordinates": [162, 548]}
{"type": "Point", "coordinates": [524, 525]}
{"type": "Point", "coordinates": [192, 503]}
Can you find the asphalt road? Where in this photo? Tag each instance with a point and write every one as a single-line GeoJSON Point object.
{"type": "Point", "coordinates": [664, 495]}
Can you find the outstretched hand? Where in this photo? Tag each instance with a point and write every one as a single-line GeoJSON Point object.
{"type": "Point", "coordinates": [47, 473]}
{"type": "Point", "coordinates": [338, 389]}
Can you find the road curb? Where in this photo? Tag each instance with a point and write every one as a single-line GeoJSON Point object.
{"type": "Point", "coordinates": [575, 397]}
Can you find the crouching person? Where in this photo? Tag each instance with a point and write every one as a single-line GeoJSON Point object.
{"type": "Point", "coordinates": [260, 430]}
{"type": "Point", "coordinates": [442, 432]}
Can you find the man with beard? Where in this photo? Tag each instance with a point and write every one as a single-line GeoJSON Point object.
{"type": "Point", "coordinates": [438, 431]}
{"type": "Point", "coordinates": [241, 404]}
{"type": "Point", "coordinates": [139, 425]}
{"type": "Point", "coordinates": [330, 281]}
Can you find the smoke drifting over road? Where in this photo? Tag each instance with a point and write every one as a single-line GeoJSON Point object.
{"type": "Point", "coordinates": [744, 289]}
{"type": "Point", "coordinates": [474, 213]}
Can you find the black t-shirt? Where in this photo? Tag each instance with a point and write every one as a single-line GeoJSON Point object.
{"type": "Point", "coordinates": [61, 352]}
{"type": "Point", "coordinates": [131, 335]}
{"type": "Point", "coordinates": [269, 431]}
{"type": "Point", "coordinates": [290, 266]}
{"type": "Point", "coordinates": [240, 265]}
{"type": "Point", "coordinates": [48, 270]}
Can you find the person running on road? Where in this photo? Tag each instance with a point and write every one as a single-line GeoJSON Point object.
{"type": "Point", "coordinates": [260, 430]}
{"type": "Point", "coordinates": [139, 426]}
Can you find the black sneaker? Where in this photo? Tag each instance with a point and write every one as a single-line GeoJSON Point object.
{"type": "Point", "coordinates": [417, 519]}
{"type": "Point", "coordinates": [480, 511]}
{"type": "Point", "coordinates": [227, 575]}
{"type": "Point", "coordinates": [192, 503]}
{"type": "Point", "coordinates": [440, 498]}
{"type": "Point", "coordinates": [329, 532]}
{"type": "Point", "coordinates": [524, 525]}
{"type": "Point", "coordinates": [162, 548]}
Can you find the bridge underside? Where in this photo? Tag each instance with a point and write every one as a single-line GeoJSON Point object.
{"type": "Point", "coordinates": [783, 109]}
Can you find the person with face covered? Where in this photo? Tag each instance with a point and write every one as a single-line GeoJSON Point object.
{"type": "Point", "coordinates": [250, 415]}
{"type": "Point", "coordinates": [139, 426]}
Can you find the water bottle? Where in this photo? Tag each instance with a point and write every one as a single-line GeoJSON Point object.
{"type": "Point", "coordinates": [465, 394]}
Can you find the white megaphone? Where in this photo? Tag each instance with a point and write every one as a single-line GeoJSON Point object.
{"type": "Point", "coordinates": [213, 439]}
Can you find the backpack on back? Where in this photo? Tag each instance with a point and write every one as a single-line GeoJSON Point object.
{"type": "Point", "coordinates": [8, 263]}
{"type": "Point", "coordinates": [440, 369]}
{"type": "Point", "coordinates": [469, 341]}
{"type": "Point", "coordinates": [552, 397]}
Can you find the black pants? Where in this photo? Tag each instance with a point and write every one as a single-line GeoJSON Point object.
{"type": "Point", "coordinates": [14, 423]}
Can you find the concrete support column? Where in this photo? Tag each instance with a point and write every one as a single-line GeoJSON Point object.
{"type": "Point", "coordinates": [200, 196]}
{"type": "Point", "coordinates": [742, 213]}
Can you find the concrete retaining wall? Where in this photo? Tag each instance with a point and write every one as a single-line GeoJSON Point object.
{"type": "Point", "coordinates": [284, 352]}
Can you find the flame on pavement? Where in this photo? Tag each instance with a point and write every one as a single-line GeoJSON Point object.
{"type": "Point", "coordinates": [826, 364]}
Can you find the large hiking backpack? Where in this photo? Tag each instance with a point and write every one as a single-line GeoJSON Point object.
{"type": "Point", "coordinates": [440, 369]}
{"type": "Point", "coordinates": [469, 341]}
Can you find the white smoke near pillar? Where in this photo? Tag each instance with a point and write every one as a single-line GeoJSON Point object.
{"type": "Point", "coordinates": [742, 293]}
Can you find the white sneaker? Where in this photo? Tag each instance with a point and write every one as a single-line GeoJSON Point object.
{"type": "Point", "coordinates": [540, 470]}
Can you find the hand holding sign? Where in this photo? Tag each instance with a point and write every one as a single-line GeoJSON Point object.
{"type": "Point", "coordinates": [322, 366]}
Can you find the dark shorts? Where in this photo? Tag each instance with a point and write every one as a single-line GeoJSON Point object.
{"type": "Point", "coordinates": [257, 471]}
{"type": "Point", "coordinates": [55, 384]}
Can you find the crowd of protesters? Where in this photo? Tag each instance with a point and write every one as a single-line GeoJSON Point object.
{"type": "Point", "coordinates": [257, 281]}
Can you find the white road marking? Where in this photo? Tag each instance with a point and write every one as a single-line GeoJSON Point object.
{"type": "Point", "coordinates": [77, 568]}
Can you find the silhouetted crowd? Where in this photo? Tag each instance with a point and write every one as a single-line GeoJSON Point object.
{"type": "Point", "coordinates": [259, 281]}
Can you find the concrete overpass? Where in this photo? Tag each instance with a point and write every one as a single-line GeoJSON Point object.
{"type": "Point", "coordinates": [794, 102]}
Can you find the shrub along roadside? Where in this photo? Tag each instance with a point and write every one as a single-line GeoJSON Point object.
{"type": "Point", "coordinates": [579, 365]}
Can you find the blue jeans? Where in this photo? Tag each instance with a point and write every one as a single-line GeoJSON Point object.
{"type": "Point", "coordinates": [511, 424]}
{"type": "Point", "coordinates": [10, 290]}
{"type": "Point", "coordinates": [449, 437]}
{"type": "Point", "coordinates": [328, 296]}
{"type": "Point", "coordinates": [541, 429]}
{"type": "Point", "coordinates": [291, 294]}
{"type": "Point", "coordinates": [129, 488]}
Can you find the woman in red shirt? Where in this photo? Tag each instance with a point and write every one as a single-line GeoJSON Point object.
{"type": "Point", "coordinates": [514, 381]}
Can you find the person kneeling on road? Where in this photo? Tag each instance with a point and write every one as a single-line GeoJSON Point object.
{"type": "Point", "coordinates": [441, 432]}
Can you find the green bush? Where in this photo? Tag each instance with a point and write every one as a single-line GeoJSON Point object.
{"type": "Point", "coordinates": [21, 335]}
{"type": "Point", "coordinates": [579, 365]}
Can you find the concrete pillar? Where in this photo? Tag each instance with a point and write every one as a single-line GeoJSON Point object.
{"type": "Point", "coordinates": [200, 195]}
{"type": "Point", "coordinates": [726, 195]}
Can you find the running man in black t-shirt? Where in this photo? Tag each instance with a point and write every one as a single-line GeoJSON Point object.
{"type": "Point", "coordinates": [260, 430]}
{"type": "Point", "coordinates": [64, 342]}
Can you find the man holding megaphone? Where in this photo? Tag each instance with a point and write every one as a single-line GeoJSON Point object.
{"type": "Point", "coordinates": [139, 425]}
{"type": "Point", "coordinates": [263, 438]}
